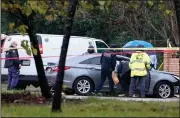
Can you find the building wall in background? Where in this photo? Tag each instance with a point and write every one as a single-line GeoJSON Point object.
{"type": "Point", "coordinates": [171, 64]}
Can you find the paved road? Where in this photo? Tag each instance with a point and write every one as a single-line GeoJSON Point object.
{"type": "Point", "coordinates": [125, 98]}
{"type": "Point", "coordinates": [32, 89]}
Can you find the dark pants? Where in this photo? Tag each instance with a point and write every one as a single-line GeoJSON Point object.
{"type": "Point", "coordinates": [141, 83]}
{"type": "Point", "coordinates": [106, 73]}
{"type": "Point", "coordinates": [13, 77]}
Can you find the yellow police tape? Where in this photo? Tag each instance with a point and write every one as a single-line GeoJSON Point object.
{"type": "Point", "coordinates": [160, 66]}
{"type": "Point", "coordinates": [155, 48]}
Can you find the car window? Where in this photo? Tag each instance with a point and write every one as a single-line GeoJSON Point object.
{"type": "Point", "coordinates": [122, 58]}
{"type": "Point", "coordinates": [51, 64]}
{"type": "Point", "coordinates": [93, 61]}
{"type": "Point", "coordinates": [100, 44]}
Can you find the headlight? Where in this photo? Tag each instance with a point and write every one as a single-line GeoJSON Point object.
{"type": "Point", "coordinates": [176, 77]}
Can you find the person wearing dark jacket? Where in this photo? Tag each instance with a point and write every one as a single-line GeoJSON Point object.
{"type": "Point", "coordinates": [90, 50]}
{"type": "Point", "coordinates": [108, 64]}
{"type": "Point", "coordinates": [13, 66]}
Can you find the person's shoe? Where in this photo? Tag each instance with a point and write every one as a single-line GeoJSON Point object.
{"type": "Point", "coordinates": [121, 95]}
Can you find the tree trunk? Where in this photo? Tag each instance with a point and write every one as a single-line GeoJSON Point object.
{"type": "Point", "coordinates": [37, 58]}
{"type": "Point", "coordinates": [45, 90]}
{"type": "Point", "coordinates": [177, 10]}
{"type": "Point", "coordinates": [56, 105]}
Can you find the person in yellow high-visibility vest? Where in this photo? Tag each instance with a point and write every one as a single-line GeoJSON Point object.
{"type": "Point", "coordinates": [139, 63]}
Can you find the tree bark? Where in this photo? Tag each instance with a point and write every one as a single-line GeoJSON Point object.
{"type": "Point", "coordinates": [56, 105]}
{"type": "Point", "coordinates": [45, 90]}
{"type": "Point", "coordinates": [42, 80]}
{"type": "Point", "coordinates": [177, 10]}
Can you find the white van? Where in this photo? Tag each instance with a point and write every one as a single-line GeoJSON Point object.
{"type": "Point", "coordinates": [50, 47]}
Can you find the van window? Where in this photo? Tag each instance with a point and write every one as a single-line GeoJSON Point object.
{"type": "Point", "coordinates": [100, 44]}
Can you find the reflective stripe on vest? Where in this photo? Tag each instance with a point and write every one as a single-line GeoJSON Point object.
{"type": "Point", "coordinates": [139, 69]}
{"type": "Point", "coordinates": [138, 61]}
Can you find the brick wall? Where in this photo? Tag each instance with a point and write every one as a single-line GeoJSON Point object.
{"type": "Point", "coordinates": [171, 64]}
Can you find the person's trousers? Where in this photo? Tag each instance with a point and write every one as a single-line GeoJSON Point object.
{"type": "Point", "coordinates": [141, 83]}
{"type": "Point", "coordinates": [106, 73]}
{"type": "Point", "coordinates": [13, 77]}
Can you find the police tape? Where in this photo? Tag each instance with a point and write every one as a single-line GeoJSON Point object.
{"type": "Point", "coordinates": [117, 53]}
{"type": "Point", "coordinates": [154, 48]}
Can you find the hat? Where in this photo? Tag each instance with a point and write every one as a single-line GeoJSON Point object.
{"type": "Point", "coordinates": [140, 46]}
{"type": "Point", "coordinates": [90, 43]}
{"type": "Point", "coordinates": [13, 43]}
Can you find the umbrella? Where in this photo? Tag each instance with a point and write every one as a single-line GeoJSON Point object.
{"type": "Point", "coordinates": [135, 43]}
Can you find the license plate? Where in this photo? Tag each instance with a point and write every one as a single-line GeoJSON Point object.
{"type": "Point", "coordinates": [26, 62]}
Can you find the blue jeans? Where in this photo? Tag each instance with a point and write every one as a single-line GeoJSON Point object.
{"type": "Point", "coordinates": [141, 83]}
{"type": "Point", "coordinates": [13, 77]}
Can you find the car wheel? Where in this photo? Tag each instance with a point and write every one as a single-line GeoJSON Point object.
{"type": "Point", "coordinates": [164, 90]}
{"type": "Point", "coordinates": [83, 86]}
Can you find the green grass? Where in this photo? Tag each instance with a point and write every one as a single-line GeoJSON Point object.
{"type": "Point", "coordinates": [95, 107]}
{"type": "Point", "coordinates": [28, 88]}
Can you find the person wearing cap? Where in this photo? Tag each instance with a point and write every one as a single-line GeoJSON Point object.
{"type": "Point", "coordinates": [139, 64]}
{"type": "Point", "coordinates": [13, 66]}
{"type": "Point", "coordinates": [90, 49]}
{"type": "Point", "coordinates": [108, 64]}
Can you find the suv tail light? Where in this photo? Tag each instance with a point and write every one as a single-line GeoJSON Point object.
{"type": "Point", "coordinates": [65, 68]}
{"type": "Point", "coordinates": [40, 49]}
{"type": "Point", "coordinates": [40, 44]}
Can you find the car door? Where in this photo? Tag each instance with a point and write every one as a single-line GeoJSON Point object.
{"type": "Point", "coordinates": [94, 68]}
